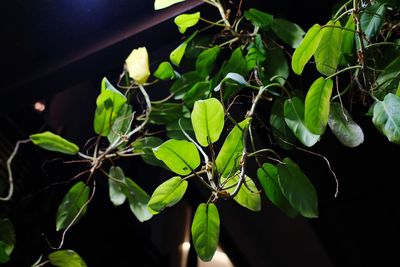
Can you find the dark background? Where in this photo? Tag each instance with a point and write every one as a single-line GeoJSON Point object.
{"type": "Point", "coordinates": [58, 51]}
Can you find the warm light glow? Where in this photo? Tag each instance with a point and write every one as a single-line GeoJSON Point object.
{"type": "Point", "coordinates": [220, 259]}
{"type": "Point", "coordinates": [39, 106]}
{"type": "Point", "coordinates": [186, 246]}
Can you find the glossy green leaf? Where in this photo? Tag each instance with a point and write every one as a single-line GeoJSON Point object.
{"type": "Point", "coordinates": [71, 205]}
{"type": "Point", "coordinates": [276, 64]}
{"type": "Point", "coordinates": [160, 4]}
{"type": "Point", "coordinates": [328, 54]}
{"type": "Point", "coordinates": [342, 125]}
{"type": "Point", "coordinates": [176, 56]}
{"type": "Point", "coordinates": [398, 89]}
{"type": "Point", "coordinates": [372, 18]}
{"type": "Point", "coordinates": [228, 159]}
{"type": "Point", "coordinates": [235, 64]}
{"type": "Point", "coordinates": [116, 184]}
{"type": "Point", "coordinates": [297, 188]}
{"type": "Point", "coordinates": [387, 117]}
{"type": "Point", "coordinates": [165, 113]}
{"type": "Point", "coordinates": [184, 83]}
{"type": "Point", "coordinates": [207, 120]}
{"type": "Point", "coordinates": [184, 21]}
{"type": "Point", "coordinates": [348, 34]}
{"type": "Point", "coordinates": [49, 141]}
{"type": "Point", "coordinates": [237, 78]}
{"type": "Point", "coordinates": [4, 257]}
{"type": "Point", "coordinates": [384, 82]}
{"type": "Point", "coordinates": [316, 113]}
{"type": "Point", "coordinates": [259, 19]}
{"type": "Point", "coordinates": [306, 49]}
{"type": "Point", "coordinates": [199, 91]}
{"type": "Point", "coordinates": [254, 58]}
{"type": "Point", "coordinates": [165, 71]}
{"type": "Point", "coordinates": [121, 124]}
{"type": "Point", "coordinates": [138, 200]}
{"type": "Point", "coordinates": [145, 145]}
{"type": "Point", "coordinates": [289, 32]}
{"type": "Point", "coordinates": [179, 155]}
{"type": "Point", "coordinates": [268, 177]}
{"type": "Point", "coordinates": [248, 195]}
{"type": "Point", "coordinates": [279, 128]}
{"type": "Point", "coordinates": [108, 103]}
{"type": "Point", "coordinates": [174, 130]}
{"type": "Point", "coordinates": [167, 194]}
{"type": "Point", "coordinates": [206, 60]}
{"type": "Point", "coordinates": [205, 231]}
{"type": "Point", "coordinates": [7, 235]}
{"type": "Point", "coordinates": [294, 118]}
{"type": "Point", "coordinates": [66, 258]}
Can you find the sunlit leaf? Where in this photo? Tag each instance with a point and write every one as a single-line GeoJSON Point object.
{"type": "Point", "coordinates": [342, 125]}
{"type": "Point", "coordinates": [167, 194]}
{"type": "Point", "coordinates": [247, 196]}
{"type": "Point", "coordinates": [160, 4]}
{"type": "Point", "coordinates": [259, 19]}
{"type": "Point", "coordinates": [7, 235]}
{"type": "Point", "coordinates": [145, 145]}
{"type": "Point", "coordinates": [205, 231]}
{"type": "Point", "coordinates": [165, 71]}
{"type": "Point", "coordinates": [387, 117]}
{"type": "Point", "coordinates": [185, 21]}
{"type": "Point", "coordinates": [72, 205]}
{"type": "Point", "coordinates": [49, 141]}
{"type": "Point", "coordinates": [207, 120]}
{"type": "Point", "coordinates": [121, 124]}
{"type": "Point", "coordinates": [174, 130]}
{"type": "Point", "coordinates": [138, 200]}
{"type": "Point", "coordinates": [66, 258]}
{"type": "Point", "coordinates": [297, 188]}
{"type": "Point", "coordinates": [280, 130]}
{"type": "Point", "coordinates": [137, 65]}
{"type": "Point", "coordinates": [206, 60]}
{"type": "Point", "coordinates": [348, 34]}
{"type": "Point", "coordinates": [179, 155]}
{"type": "Point", "coordinates": [385, 82]}
{"type": "Point", "coordinates": [116, 183]}
{"type": "Point", "coordinates": [177, 55]}
{"type": "Point", "coordinates": [372, 18]}
{"type": "Point", "coordinates": [289, 32]}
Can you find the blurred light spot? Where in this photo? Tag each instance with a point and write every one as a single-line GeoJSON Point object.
{"type": "Point", "coordinates": [220, 259]}
{"type": "Point", "coordinates": [186, 246]}
{"type": "Point", "coordinates": [39, 106]}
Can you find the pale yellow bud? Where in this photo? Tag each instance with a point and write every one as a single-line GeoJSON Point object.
{"type": "Point", "coordinates": [137, 64]}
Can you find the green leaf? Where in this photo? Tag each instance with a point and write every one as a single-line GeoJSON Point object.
{"type": "Point", "coordinates": [145, 145]}
{"type": "Point", "coordinates": [116, 185]}
{"type": "Point", "coordinates": [7, 235]}
{"type": "Point", "coordinates": [317, 105]}
{"type": "Point", "coordinates": [205, 231]}
{"type": "Point", "coordinates": [387, 117]}
{"type": "Point", "coordinates": [328, 54]}
{"type": "Point", "coordinates": [207, 120]}
{"type": "Point", "coordinates": [268, 177]}
{"type": "Point", "coordinates": [185, 21]}
{"type": "Point", "coordinates": [237, 78]}
{"type": "Point", "coordinates": [176, 56]}
{"type": "Point", "coordinates": [228, 159]}
{"type": "Point", "coordinates": [342, 125]}
{"type": "Point", "coordinates": [4, 257]}
{"type": "Point", "coordinates": [206, 60]}
{"type": "Point", "coordinates": [167, 194]}
{"type": "Point", "coordinates": [165, 113]}
{"type": "Point", "coordinates": [183, 84]}
{"type": "Point", "coordinates": [108, 103]}
{"type": "Point", "coordinates": [49, 141]}
{"type": "Point", "coordinates": [254, 58]}
{"type": "Point", "coordinates": [259, 19]}
{"type": "Point", "coordinates": [121, 124]}
{"type": "Point", "coordinates": [174, 131]}
{"type": "Point", "coordinates": [398, 89]}
{"type": "Point", "coordinates": [289, 32]}
{"type": "Point", "coordinates": [138, 200]}
{"type": "Point", "coordinates": [280, 130]}
{"type": "Point", "coordinates": [165, 71]}
{"type": "Point", "coordinates": [247, 196]}
{"type": "Point", "coordinates": [348, 34]}
{"type": "Point", "coordinates": [294, 118]}
{"type": "Point", "coordinates": [372, 18]}
{"type": "Point", "coordinates": [199, 91]}
{"type": "Point", "coordinates": [236, 64]}
{"type": "Point", "coordinates": [306, 49]}
{"type": "Point", "coordinates": [160, 4]}
{"type": "Point", "coordinates": [66, 258]}
{"type": "Point", "coordinates": [276, 64]}
{"type": "Point", "coordinates": [71, 205]}
{"type": "Point", "coordinates": [179, 155]}
{"type": "Point", "coordinates": [297, 188]}
{"type": "Point", "coordinates": [390, 74]}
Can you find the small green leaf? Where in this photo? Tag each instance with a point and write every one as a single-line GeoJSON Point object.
{"type": "Point", "coordinates": [205, 231]}
{"type": "Point", "coordinates": [297, 188]}
{"type": "Point", "coordinates": [4, 257]}
{"type": "Point", "coordinates": [184, 83]}
{"type": "Point", "coordinates": [348, 34]}
{"type": "Point", "coordinates": [206, 60]}
{"type": "Point", "coordinates": [138, 200]}
{"type": "Point", "coordinates": [116, 183]}
{"type": "Point", "coordinates": [177, 55]}
{"type": "Point", "coordinates": [280, 130]}
{"type": "Point", "coordinates": [164, 113]}
{"type": "Point", "coordinates": [121, 124]}
{"type": "Point", "coordinates": [167, 194]}
{"type": "Point", "coordinates": [185, 21]}
{"type": "Point", "coordinates": [165, 71]}
{"type": "Point", "coordinates": [268, 177]}
{"type": "Point", "coordinates": [259, 19]}
{"type": "Point", "coordinates": [145, 145]}
{"type": "Point", "coordinates": [289, 32]}
{"type": "Point", "coordinates": [237, 78]}
{"type": "Point", "coordinates": [317, 105]}
{"type": "Point", "coordinates": [329, 51]}
{"type": "Point", "coordinates": [207, 120]}
{"type": "Point", "coordinates": [306, 49]}
{"type": "Point", "coordinates": [160, 4]}
{"type": "Point", "coordinates": [390, 74]}
{"type": "Point", "coordinates": [294, 118]}
{"type": "Point", "coordinates": [387, 117]}
{"type": "Point", "coordinates": [174, 130]}
{"type": "Point", "coordinates": [7, 235]}
{"type": "Point", "coordinates": [71, 206]}
{"type": "Point", "coordinates": [66, 258]}
{"type": "Point", "coordinates": [342, 125]}
{"type": "Point", "coordinates": [228, 159]}
{"type": "Point", "coordinates": [247, 196]}
{"type": "Point", "coordinates": [179, 155]}
{"type": "Point", "coordinates": [372, 18]}
{"type": "Point", "coordinates": [49, 141]}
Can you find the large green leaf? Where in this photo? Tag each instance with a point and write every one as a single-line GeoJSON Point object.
{"type": "Point", "coordinates": [205, 231]}
{"type": "Point", "coordinates": [206, 60]}
{"type": "Point", "coordinates": [297, 188]}
{"type": "Point", "coordinates": [306, 49]}
{"type": "Point", "coordinates": [145, 145]}
{"type": "Point", "coordinates": [268, 177]}
{"type": "Point", "coordinates": [184, 83]}
{"type": "Point", "coordinates": [387, 79]}
{"type": "Point", "coordinates": [259, 19]}
{"type": "Point", "coordinates": [316, 113]}
{"type": "Point", "coordinates": [372, 19]}
{"type": "Point", "coordinates": [165, 71]}
{"type": "Point", "coordinates": [228, 159]}
{"type": "Point", "coordinates": [66, 258]}
{"type": "Point", "coordinates": [116, 184]}
{"type": "Point", "coordinates": [184, 21]}
{"type": "Point", "coordinates": [179, 155]}
{"type": "Point", "coordinates": [294, 118]}
{"type": "Point", "coordinates": [108, 103]}
{"type": "Point", "coordinates": [121, 124]}
{"type": "Point", "coordinates": [247, 196]}
{"type": "Point", "coordinates": [387, 117]}
{"type": "Point", "coordinates": [174, 129]}
{"type": "Point", "coordinates": [177, 54]}
{"type": "Point", "coordinates": [164, 113]}
{"type": "Point", "coordinates": [71, 205]}
{"type": "Point", "coordinates": [49, 141]}
{"type": "Point", "coordinates": [138, 200]}
{"type": "Point", "coordinates": [4, 257]}
{"type": "Point", "coordinates": [160, 4]}
{"type": "Point", "coordinates": [289, 32]}
{"type": "Point", "coordinates": [342, 125]}
{"type": "Point", "coordinates": [199, 91]}
{"type": "Point", "coordinates": [279, 128]}
{"type": "Point", "coordinates": [207, 120]}
{"type": "Point", "coordinates": [7, 236]}
{"type": "Point", "coordinates": [167, 194]}
{"type": "Point", "coordinates": [328, 54]}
